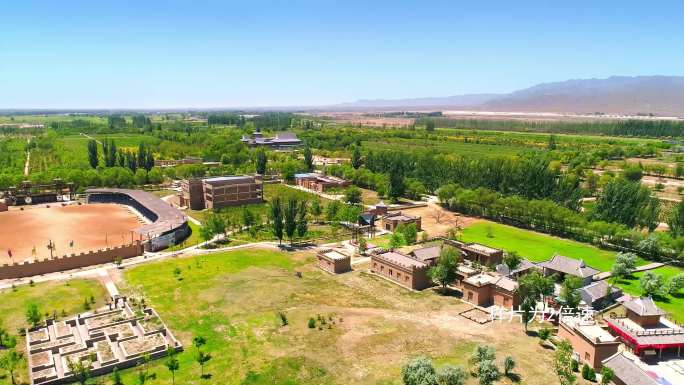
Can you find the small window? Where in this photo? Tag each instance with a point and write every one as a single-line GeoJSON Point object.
{"type": "Point", "coordinates": [587, 356]}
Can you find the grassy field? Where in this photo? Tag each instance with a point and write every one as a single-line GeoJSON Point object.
{"type": "Point", "coordinates": [52, 296]}
{"type": "Point", "coordinates": [536, 246]}
{"type": "Point", "coordinates": [371, 326]}
{"type": "Point", "coordinates": [674, 304]}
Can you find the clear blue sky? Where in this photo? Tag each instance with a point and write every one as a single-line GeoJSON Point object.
{"type": "Point", "coordinates": [156, 54]}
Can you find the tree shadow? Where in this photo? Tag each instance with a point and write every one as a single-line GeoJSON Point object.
{"type": "Point", "coordinates": [515, 377]}
{"type": "Point", "coordinates": [532, 333]}
{"type": "Point", "coordinates": [661, 298]}
{"type": "Point", "coordinates": [206, 376]}
{"type": "Point", "coordinates": [449, 292]}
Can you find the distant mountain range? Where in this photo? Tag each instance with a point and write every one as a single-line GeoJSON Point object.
{"type": "Point", "coordinates": [659, 95]}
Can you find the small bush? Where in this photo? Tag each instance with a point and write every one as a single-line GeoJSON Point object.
{"type": "Point", "coordinates": [283, 318]}
{"type": "Point", "coordinates": [588, 373]}
{"type": "Point", "coordinates": [312, 323]}
{"type": "Point", "coordinates": [575, 366]}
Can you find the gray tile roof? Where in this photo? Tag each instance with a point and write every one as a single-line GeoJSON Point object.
{"type": "Point", "coordinates": [643, 306]}
{"type": "Point", "coordinates": [566, 265]}
{"type": "Point", "coordinates": [597, 291]}
{"type": "Point", "coordinates": [524, 265]}
{"type": "Point", "coordinates": [427, 253]}
{"type": "Point", "coordinates": [627, 371]}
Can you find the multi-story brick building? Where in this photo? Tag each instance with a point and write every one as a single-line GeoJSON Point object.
{"type": "Point", "coordinates": [219, 192]}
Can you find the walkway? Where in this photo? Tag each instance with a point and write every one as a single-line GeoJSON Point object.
{"type": "Point", "coordinates": [28, 159]}
{"type": "Point", "coordinates": [649, 266]}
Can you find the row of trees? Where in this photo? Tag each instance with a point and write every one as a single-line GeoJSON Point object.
{"type": "Point", "coordinates": [642, 128]}
{"type": "Point", "coordinates": [549, 217]}
{"type": "Point", "coordinates": [113, 156]}
{"type": "Point", "coordinates": [288, 218]}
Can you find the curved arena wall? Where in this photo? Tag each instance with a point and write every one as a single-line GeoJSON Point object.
{"type": "Point", "coordinates": [168, 225]}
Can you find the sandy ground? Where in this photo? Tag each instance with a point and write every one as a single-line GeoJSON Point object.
{"type": "Point", "coordinates": [438, 221]}
{"type": "Point", "coordinates": [90, 227]}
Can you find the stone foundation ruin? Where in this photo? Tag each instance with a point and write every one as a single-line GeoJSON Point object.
{"type": "Point", "coordinates": [117, 335]}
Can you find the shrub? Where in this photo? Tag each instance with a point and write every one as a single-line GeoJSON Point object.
{"type": "Point", "coordinates": [312, 323]}
{"type": "Point", "coordinates": [588, 373]}
{"type": "Point", "coordinates": [283, 318]}
{"type": "Point", "coordinates": [575, 366]}
{"type": "Point", "coordinates": [544, 334]}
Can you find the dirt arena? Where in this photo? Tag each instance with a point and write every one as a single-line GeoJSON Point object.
{"type": "Point", "coordinates": [90, 227]}
{"type": "Point", "coordinates": [437, 221]}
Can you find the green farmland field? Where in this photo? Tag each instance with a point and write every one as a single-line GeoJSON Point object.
{"type": "Point", "coordinates": [535, 246]}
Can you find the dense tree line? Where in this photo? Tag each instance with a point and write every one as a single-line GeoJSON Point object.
{"type": "Point", "coordinates": [529, 176]}
{"type": "Point", "coordinates": [549, 217]}
{"type": "Point", "coordinates": [633, 127]}
{"type": "Point", "coordinates": [628, 202]}
{"type": "Point", "coordinates": [226, 119]}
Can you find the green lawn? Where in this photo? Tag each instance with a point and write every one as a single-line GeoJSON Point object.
{"type": "Point", "coordinates": [537, 247]}
{"type": "Point", "coordinates": [672, 304]}
{"type": "Point", "coordinates": [50, 297]}
{"type": "Point", "coordinates": [233, 299]}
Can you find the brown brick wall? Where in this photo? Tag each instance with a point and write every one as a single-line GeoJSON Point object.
{"type": "Point", "coordinates": [643, 320]}
{"type": "Point", "coordinates": [336, 266]}
{"type": "Point", "coordinates": [72, 261]}
{"type": "Point", "coordinates": [589, 352]}
{"type": "Point", "coordinates": [415, 279]}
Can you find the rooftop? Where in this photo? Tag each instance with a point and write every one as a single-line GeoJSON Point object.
{"type": "Point", "coordinates": [481, 279]}
{"type": "Point", "coordinates": [507, 284]}
{"type": "Point", "coordinates": [597, 290]}
{"type": "Point", "coordinates": [482, 249]}
{"type": "Point", "coordinates": [589, 329]}
{"type": "Point", "coordinates": [400, 259]}
{"type": "Point", "coordinates": [626, 369]}
{"type": "Point", "coordinates": [168, 217]}
{"type": "Point", "coordinates": [230, 178]}
{"type": "Point", "coordinates": [336, 255]}
{"type": "Point", "coordinates": [398, 216]}
{"type": "Point", "coordinates": [427, 253]}
{"type": "Point", "coordinates": [665, 333]}
{"type": "Point", "coordinates": [524, 265]}
{"type": "Point", "coordinates": [643, 307]}
{"type": "Point", "coordinates": [566, 265]}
